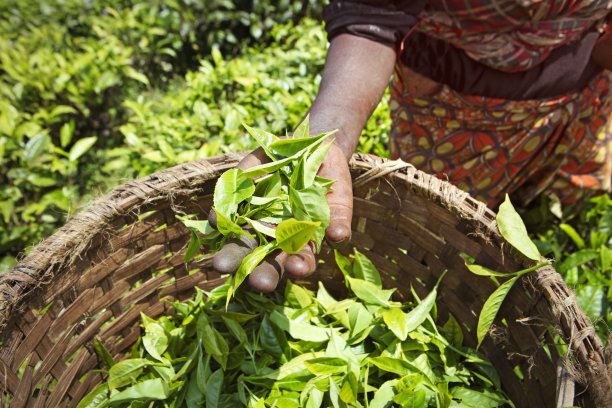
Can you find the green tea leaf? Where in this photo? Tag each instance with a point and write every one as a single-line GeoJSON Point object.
{"type": "Point", "coordinates": [303, 128]}
{"type": "Point", "coordinates": [310, 204]}
{"type": "Point", "coordinates": [226, 226]}
{"type": "Point", "coordinates": [214, 343]}
{"type": "Point", "coordinates": [293, 366]}
{"type": "Point", "coordinates": [369, 292]}
{"type": "Point", "coordinates": [236, 329]}
{"type": "Point", "coordinates": [273, 340]}
{"type": "Point", "coordinates": [126, 372]}
{"type": "Point", "coordinates": [454, 333]}
{"type": "Point", "coordinates": [230, 190]}
{"type": "Point", "coordinates": [359, 319]}
{"type": "Point", "coordinates": [66, 133]}
{"type": "Point", "coordinates": [513, 230]}
{"type": "Point", "coordinates": [192, 248]}
{"type": "Point", "coordinates": [81, 147]}
{"type": "Point", "coordinates": [263, 139]}
{"type": "Point", "coordinates": [313, 163]}
{"type": "Point", "coordinates": [491, 307]}
{"type": "Point", "coordinates": [414, 398]}
{"type": "Point", "coordinates": [591, 299]}
{"type": "Point", "coordinates": [36, 146]}
{"type": "Point", "coordinates": [576, 259]}
{"type": "Point", "coordinates": [334, 393]}
{"type": "Point", "coordinates": [263, 202]}
{"type": "Point", "coordinates": [297, 296]}
{"type": "Point", "coordinates": [291, 147]}
{"type": "Point", "coordinates": [297, 175]}
{"type": "Point", "coordinates": [267, 168]}
{"type": "Point", "coordinates": [294, 382]}
{"type": "Point", "coordinates": [201, 226]}
{"type": "Point", "coordinates": [155, 389]}
{"type": "Point", "coordinates": [383, 398]}
{"type": "Point", "coordinates": [315, 398]}
{"type": "Point", "coordinates": [103, 354]}
{"type": "Point", "coordinates": [250, 262]}
{"type": "Point", "coordinates": [203, 372]}
{"type": "Point", "coordinates": [299, 330]}
{"type": "Point", "coordinates": [364, 269]}
{"type": "Point", "coordinates": [269, 186]}
{"type": "Point", "coordinates": [397, 321]}
{"type": "Point", "coordinates": [326, 365]}
{"type": "Point", "coordinates": [573, 234]}
{"type": "Point", "coordinates": [478, 398]}
{"type": "Point", "coordinates": [392, 365]}
{"type": "Point", "coordinates": [344, 264]}
{"type": "Point", "coordinates": [482, 271]}
{"type": "Point", "coordinates": [213, 389]}
{"type": "Point", "coordinates": [261, 228]}
{"type": "Point", "coordinates": [155, 340]}
{"type": "Point", "coordinates": [417, 316]}
{"type": "Point", "coordinates": [349, 389]}
{"type": "Point", "coordinates": [96, 398]}
{"type": "Point", "coordinates": [292, 235]}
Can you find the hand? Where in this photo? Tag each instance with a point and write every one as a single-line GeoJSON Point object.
{"type": "Point", "coordinates": [266, 276]}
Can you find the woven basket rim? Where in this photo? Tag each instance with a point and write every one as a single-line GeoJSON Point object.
{"type": "Point", "coordinates": [64, 247]}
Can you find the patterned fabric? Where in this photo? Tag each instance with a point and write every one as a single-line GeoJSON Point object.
{"type": "Point", "coordinates": [491, 146]}
{"type": "Point", "coordinates": [510, 35]}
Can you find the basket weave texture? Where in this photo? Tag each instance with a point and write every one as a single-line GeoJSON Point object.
{"type": "Point", "coordinates": [124, 255]}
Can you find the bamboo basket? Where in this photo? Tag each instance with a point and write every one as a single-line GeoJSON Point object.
{"type": "Point", "coordinates": [124, 255]}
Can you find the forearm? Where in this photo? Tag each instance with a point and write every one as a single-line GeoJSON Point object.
{"type": "Point", "coordinates": [355, 76]}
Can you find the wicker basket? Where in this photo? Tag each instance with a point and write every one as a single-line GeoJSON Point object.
{"type": "Point", "coordinates": [97, 273]}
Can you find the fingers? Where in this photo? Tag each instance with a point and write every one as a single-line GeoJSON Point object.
{"type": "Point", "coordinates": [339, 198]}
{"type": "Point", "coordinates": [303, 263]}
{"type": "Point", "coordinates": [212, 218]}
{"type": "Point", "coordinates": [228, 258]}
{"type": "Point", "coordinates": [264, 277]}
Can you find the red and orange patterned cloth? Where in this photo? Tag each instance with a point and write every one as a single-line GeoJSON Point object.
{"type": "Point", "coordinates": [490, 146]}
{"type": "Point", "coordinates": [510, 35]}
{"type": "Point", "coordinates": [489, 143]}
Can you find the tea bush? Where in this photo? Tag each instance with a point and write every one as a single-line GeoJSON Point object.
{"type": "Point", "coordinates": [580, 243]}
{"type": "Point", "coordinates": [66, 67]}
{"type": "Point", "coordinates": [200, 116]}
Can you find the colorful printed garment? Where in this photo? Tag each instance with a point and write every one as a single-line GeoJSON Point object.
{"type": "Point", "coordinates": [490, 146]}
{"type": "Point", "coordinates": [510, 35]}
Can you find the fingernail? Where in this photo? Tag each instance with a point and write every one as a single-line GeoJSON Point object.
{"type": "Point", "coordinates": [338, 234]}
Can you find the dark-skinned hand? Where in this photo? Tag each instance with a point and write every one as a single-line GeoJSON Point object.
{"type": "Point", "coordinates": [265, 277]}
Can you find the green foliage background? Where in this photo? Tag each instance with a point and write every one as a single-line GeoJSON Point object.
{"type": "Point", "coordinates": [97, 92]}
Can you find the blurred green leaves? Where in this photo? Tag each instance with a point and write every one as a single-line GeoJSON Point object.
{"type": "Point", "coordinates": [94, 92]}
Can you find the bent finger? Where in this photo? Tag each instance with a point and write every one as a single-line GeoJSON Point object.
{"type": "Point", "coordinates": [303, 263]}
{"type": "Point", "coordinates": [265, 277]}
{"type": "Point", "coordinates": [229, 258]}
